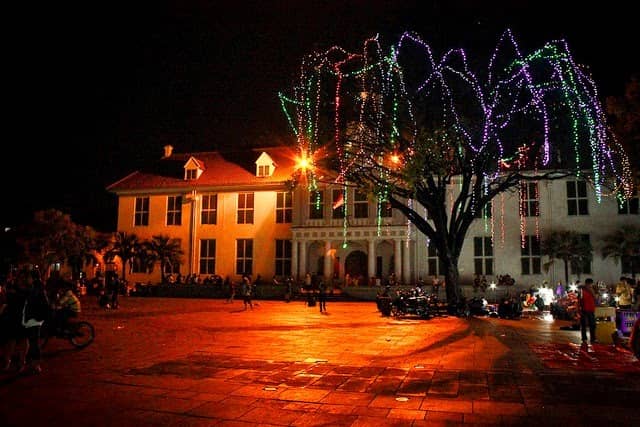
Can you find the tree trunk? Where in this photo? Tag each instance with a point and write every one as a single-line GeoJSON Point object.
{"type": "Point", "coordinates": [452, 287]}
{"type": "Point", "coordinates": [566, 272]}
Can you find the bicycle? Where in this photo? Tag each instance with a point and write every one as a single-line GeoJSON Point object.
{"type": "Point", "coordinates": [80, 333]}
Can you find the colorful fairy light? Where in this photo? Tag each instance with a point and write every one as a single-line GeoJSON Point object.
{"type": "Point", "coordinates": [374, 131]}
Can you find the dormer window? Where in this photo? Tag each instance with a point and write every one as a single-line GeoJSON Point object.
{"type": "Point", "coordinates": [191, 174]}
{"type": "Point", "coordinates": [265, 165]}
{"type": "Point", "coordinates": [193, 169]}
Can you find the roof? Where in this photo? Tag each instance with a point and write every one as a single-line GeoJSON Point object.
{"type": "Point", "coordinates": [221, 169]}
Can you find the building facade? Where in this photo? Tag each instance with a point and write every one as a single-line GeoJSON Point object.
{"type": "Point", "coordinates": [238, 212]}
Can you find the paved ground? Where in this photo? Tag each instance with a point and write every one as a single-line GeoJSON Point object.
{"type": "Point", "coordinates": [181, 362]}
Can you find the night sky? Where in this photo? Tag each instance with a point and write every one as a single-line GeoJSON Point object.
{"type": "Point", "coordinates": [102, 88]}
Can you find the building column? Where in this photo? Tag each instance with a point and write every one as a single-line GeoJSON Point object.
{"type": "Point", "coordinates": [302, 266]}
{"type": "Point", "coordinates": [371, 258]}
{"type": "Point", "coordinates": [406, 257]}
{"type": "Point", "coordinates": [397, 259]}
{"type": "Point", "coordinates": [294, 259]}
{"type": "Point", "coordinates": [327, 261]}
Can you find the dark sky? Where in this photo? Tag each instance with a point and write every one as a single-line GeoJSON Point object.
{"type": "Point", "coordinates": [101, 88]}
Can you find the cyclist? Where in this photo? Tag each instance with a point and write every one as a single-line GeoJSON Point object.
{"type": "Point", "coordinates": [67, 307]}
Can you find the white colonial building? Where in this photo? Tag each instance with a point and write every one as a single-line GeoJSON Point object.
{"type": "Point", "coordinates": [237, 212]}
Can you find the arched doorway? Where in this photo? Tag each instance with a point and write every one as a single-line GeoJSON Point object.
{"type": "Point", "coordinates": [355, 265]}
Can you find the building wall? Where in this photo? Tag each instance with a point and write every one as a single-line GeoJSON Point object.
{"type": "Point", "coordinates": [504, 227]}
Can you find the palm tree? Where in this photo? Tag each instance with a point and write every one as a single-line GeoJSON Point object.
{"type": "Point", "coordinates": [164, 249]}
{"type": "Point", "coordinates": [83, 246]}
{"type": "Point", "coordinates": [570, 247]}
{"type": "Point", "coordinates": [623, 245]}
{"type": "Point", "coordinates": [125, 246]}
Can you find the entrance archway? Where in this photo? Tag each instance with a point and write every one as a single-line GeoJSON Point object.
{"type": "Point", "coordinates": [355, 265]}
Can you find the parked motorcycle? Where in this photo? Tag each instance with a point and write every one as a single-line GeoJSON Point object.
{"type": "Point", "coordinates": [408, 304]}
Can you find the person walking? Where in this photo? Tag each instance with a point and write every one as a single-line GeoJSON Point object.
{"type": "Point", "coordinates": [587, 301]}
{"type": "Point", "coordinates": [231, 288]}
{"type": "Point", "coordinates": [322, 297]}
{"type": "Point", "coordinates": [246, 291]}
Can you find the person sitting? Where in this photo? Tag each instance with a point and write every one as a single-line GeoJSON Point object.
{"type": "Point", "coordinates": [67, 307]}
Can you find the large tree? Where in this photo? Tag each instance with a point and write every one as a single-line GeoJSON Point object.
{"type": "Point", "coordinates": [439, 138]}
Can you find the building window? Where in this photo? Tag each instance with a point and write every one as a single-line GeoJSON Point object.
{"type": "Point", "coordinates": [174, 210]}
{"type": "Point", "coordinates": [207, 256]}
{"type": "Point", "coordinates": [582, 265]}
{"type": "Point", "coordinates": [316, 204]}
{"type": "Point", "coordinates": [485, 212]}
{"type": "Point", "coordinates": [483, 255]}
{"type": "Point", "coordinates": [209, 214]}
{"type": "Point", "coordinates": [360, 205]}
{"type": "Point", "coordinates": [283, 257]}
{"type": "Point", "coordinates": [244, 256]}
{"type": "Point", "coordinates": [529, 199]}
{"type": "Point", "coordinates": [629, 207]}
{"type": "Point", "coordinates": [263, 170]}
{"type": "Point", "coordinates": [192, 174]}
{"type": "Point", "coordinates": [338, 204]}
{"type": "Point", "coordinates": [435, 267]}
{"type": "Point", "coordinates": [141, 215]}
{"type": "Point", "coordinates": [245, 208]}
{"type": "Point", "coordinates": [577, 201]}
{"type": "Point", "coordinates": [530, 255]}
{"type": "Point", "coordinates": [384, 209]}
{"type": "Point", "coordinates": [284, 209]}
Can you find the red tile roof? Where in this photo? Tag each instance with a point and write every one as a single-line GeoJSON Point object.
{"type": "Point", "coordinates": [220, 169]}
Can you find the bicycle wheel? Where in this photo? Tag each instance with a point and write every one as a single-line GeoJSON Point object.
{"type": "Point", "coordinates": [82, 334]}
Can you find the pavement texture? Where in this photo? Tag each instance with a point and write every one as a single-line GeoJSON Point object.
{"type": "Point", "coordinates": [196, 362]}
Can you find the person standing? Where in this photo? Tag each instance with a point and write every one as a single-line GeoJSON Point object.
{"type": "Point", "coordinates": [624, 294]}
{"type": "Point", "coordinates": [35, 312]}
{"type": "Point", "coordinates": [113, 286]}
{"type": "Point", "coordinates": [588, 311]}
{"type": "Point", "coordinates": [322, 296]}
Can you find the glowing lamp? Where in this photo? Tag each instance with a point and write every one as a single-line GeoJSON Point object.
{"type": "Point", "coordinates": [492, 285]}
